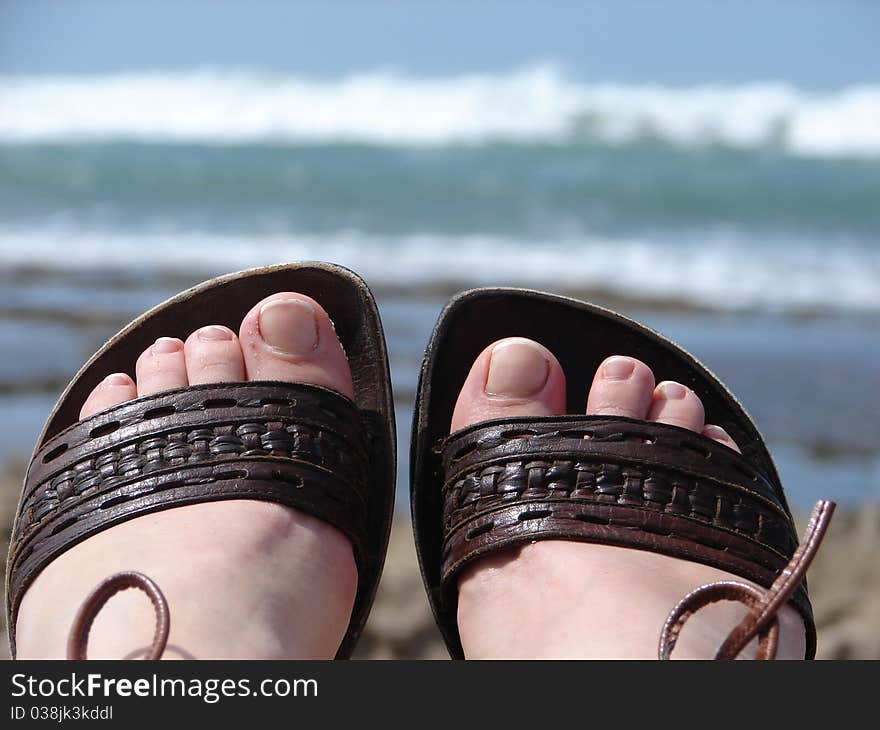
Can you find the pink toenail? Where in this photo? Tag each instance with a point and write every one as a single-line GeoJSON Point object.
{"type": "Point", "coordinates": [518, 368]}
{"type": "Point", "coordinates": [618, 368]}
{"type": "Point", "coordinates": [716, 432]}
{"type": "Point", "coordinates": [672, 391]}
{"type": "Point", "coordinates": [213, 333]}
{"type": "Point", "coordinates": [290, 326]}
{"type": "Point", "coordinates": [117, 379]}
{"type": "Point", "coordinates": [167, 344]}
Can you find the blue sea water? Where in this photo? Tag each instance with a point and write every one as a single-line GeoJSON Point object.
{"type": "Point", "coordinates": [740, 219]}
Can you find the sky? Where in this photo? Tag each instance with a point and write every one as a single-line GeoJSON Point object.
{"type": "Point", "coordinates": [820, 45]}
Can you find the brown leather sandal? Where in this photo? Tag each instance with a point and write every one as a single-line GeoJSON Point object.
{"type": "Point", "coordinates": [298, 445]}
{"type": "Point", "coordinates": [603, 479]}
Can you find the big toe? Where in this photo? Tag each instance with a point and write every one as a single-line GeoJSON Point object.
{"type": "Point", "coordinates": [289, 337]}
{"type": "Point", "coordinates": [512, 377]}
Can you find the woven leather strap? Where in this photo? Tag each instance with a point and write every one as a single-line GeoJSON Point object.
{"type": "Point", "coordinates": [297, 445]}
{"type": "Point", "coordinates": [615, 481]}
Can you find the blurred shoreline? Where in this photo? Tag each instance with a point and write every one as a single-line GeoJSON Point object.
{"type": "Point", "coordinates": [122, 281]}
{"type": "Point", "coordinates": [802, 376]}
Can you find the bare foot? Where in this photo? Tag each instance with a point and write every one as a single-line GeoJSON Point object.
{"type": "Point", "coordinates": [244, 579]}
{"type": "Point", "coordinates": [558, 598]}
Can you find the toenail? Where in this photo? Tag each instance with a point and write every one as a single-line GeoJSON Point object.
{"type": "Point", "coordinates": [167, 344]}
{"type": "Point", "coordinates": [518, 368]}
{"type": "Point", "coordinates": [715, 432]}
{"type": "Point", "coordinates": [672, 391]}
{"type": "Point", "coordinates": [618, 368]}
{"type": "Point", "coordinates": [289, 325]}
{"type": "Point", "coordinates": [213, 333]}
{"type": "Point", "coordinates": [117, 379]}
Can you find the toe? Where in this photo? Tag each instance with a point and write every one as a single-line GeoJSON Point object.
{"type": "Point", "coordinates": [622, 386]}
{"type": "Point", "coordinates": [112, 390]}
{"type": "Point", "coordinates": [677, 405]}
{"type": "Point", "coordinates": [213, 355]}
{"type": "Point", "coordinates": [716, 433]}
{"type": "Point", "coordinates": [289, 337]}
{"type": "Point", "coordinates": [511, 377]}
{"type": "Point", "coordinates": [161, 366]}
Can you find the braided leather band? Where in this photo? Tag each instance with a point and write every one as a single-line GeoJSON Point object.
{"type": "Point", "coordinates": [616, 481]}
{"type": "Point", "coordinates": [297, 445]}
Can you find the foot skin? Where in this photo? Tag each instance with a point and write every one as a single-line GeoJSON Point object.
{"type": "Point", "coordinates": [243, 579]}
{"type": "Point", "coordinates": [567, 599]}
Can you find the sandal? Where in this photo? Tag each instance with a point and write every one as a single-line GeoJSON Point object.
{"type": "Point", "coordinates": [299, 445]}
{"type": "Point", "coordinates": [602, 479]}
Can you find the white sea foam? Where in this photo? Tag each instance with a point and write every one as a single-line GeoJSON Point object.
{"type": "Point", "coordinates": [384, 107]}
{"type": "Point", "coordinates": [721, 271]}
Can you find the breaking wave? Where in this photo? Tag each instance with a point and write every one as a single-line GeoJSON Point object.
{"type": "Point", "coordinates": [535, 104]}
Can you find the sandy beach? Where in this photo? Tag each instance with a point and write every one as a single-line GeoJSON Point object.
{"type": "Point", "coordinates": [844, 586]}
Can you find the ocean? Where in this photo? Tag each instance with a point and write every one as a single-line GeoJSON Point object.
{"type": "Point", "coordinates": [741, 220]}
